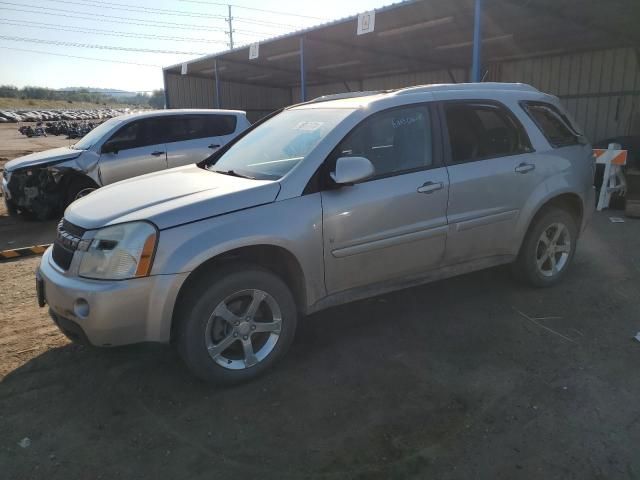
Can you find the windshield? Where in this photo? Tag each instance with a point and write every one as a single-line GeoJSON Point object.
{"type": "Point", "coordinates": [271, 150]}
{"type": "Point", "coordinates": [90, 139]}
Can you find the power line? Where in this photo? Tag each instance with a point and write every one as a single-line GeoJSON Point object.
{"type": "Point", "coordinates": [112, 33]}
{"type": "Point", "coordinates": [92, 45]}
{"type": "Point", "coordinates": [126, 20]}
{"type": "Point", "coordinates": [256, 9]}
{"type": "Point", "coordinates": [157, 23]}
{"type": "Point", "coordinates": [83, 58]}
{"type": "Point", "coordinates": [164, 11]}
{"type": "Point", "coordinates": [266, 23]}
{"type": "Point", "coordinates": [139, 9]}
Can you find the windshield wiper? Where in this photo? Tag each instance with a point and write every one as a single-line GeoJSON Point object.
{"type": "Point", "coordinates": [232, 174]}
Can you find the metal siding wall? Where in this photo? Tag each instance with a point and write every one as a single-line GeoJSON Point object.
{"type": "Point", "coordinates": [190, 92]}
{"type": "Point", "coordinates": [591, 81]}
{"type": "Point", "coordinates": [195, 92]}
{"type": "Point", "coordinates": [600, 89]}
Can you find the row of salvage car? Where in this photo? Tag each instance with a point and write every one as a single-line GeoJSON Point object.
{"type": "Point", "coordinates": [15, 116]}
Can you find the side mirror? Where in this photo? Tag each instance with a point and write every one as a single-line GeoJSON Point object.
{"type": "Point", "coordinates": [350, 170]}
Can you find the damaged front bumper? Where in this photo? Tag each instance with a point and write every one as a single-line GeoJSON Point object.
{"type": "Point", "coordinates": [35, 189]}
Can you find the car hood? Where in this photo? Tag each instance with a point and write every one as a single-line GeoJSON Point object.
{"type": "Point", "coordinates": [169, 198]}
{"type": "Point", "coordinates": [41, 158]}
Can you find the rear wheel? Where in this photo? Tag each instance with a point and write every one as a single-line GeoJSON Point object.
{"type": "Point", "coordinates": [236, 324]}
{"type": "Point", "coordinates": [548, 248]}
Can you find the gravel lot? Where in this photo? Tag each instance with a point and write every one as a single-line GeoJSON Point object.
{"type": "Point", "coordinates": [475, 377]}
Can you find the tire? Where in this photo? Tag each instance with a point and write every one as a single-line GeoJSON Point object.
{"type": "Point", "coordinates": [536, 264]}
{"type": "Point", "coordinates": [211, 339]}
{"type": "Point", "coordinates": [77, 186]}
{"type": "Point", "coordinates": [12, 210]}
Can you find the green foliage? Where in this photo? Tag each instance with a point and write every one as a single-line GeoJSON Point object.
{"type": "Point", "coordinates": [155, 100]}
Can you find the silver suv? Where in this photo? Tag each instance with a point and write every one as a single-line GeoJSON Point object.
{"type": "Point", "coordinates": [323, 203]}
{"type": "Point", "coordinates": [44, 183]}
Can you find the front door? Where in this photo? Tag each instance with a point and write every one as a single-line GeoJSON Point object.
{"type": "Point", "coordinates": [393, 224]}
{"type": "Point", "coordinates": [492, 173]}
{"type": "Point", "coordinates": [135, 149]}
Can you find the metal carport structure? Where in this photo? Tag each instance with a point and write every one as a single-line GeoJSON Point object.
{"type": "Point", "coordinates": [587, 52]}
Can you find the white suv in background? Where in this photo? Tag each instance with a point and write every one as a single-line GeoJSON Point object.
{"type": "Point", "coordinates": [45, 183]}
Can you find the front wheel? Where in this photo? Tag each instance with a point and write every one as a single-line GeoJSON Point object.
{"type": "Point", "coordinates": [236, 324]}
{"type": "Point", "coordinates": [548, 248]}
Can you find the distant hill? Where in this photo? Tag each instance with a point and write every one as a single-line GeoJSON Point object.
{"type": "Point", "coordinates": [111, 92]}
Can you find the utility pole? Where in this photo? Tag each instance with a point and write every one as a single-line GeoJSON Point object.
{"type": "Point", "coordinates": [230, 32]}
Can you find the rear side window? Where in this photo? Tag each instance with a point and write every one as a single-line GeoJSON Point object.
{"type": "Point", "coordinates": [555, 126]}
{"type": "Point", "coordinates": [479, 131]}
{"type": "Point", "coordinates": [394, 141]}
{"type": "Point", "coordinates": [191, 127]}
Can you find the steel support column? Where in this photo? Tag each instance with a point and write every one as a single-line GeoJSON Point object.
{"type": "Point", "coordinates": [303, 87]}
{"type": "Point", "coordinates": [215, 69]}
{"type": "Point", "coordinates": [477, 43]}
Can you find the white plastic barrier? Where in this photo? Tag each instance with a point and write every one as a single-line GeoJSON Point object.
{"type": "Point", "coordinates": [613, 160]}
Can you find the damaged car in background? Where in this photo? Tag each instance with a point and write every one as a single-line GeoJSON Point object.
{"type": "Point", "coordinates": [43, 184]}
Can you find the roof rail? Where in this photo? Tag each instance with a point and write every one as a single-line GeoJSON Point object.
{"type": "Point", "coordinates": [340, 96]}
{"type": "Point", "coordinates": [439, 87]}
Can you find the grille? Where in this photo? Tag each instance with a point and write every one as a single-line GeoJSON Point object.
{"type": "Point", "coordinates": [66, 243]}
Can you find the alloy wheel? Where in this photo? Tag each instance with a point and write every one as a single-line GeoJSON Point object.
{"type": "Point", "coordinates": [553, 250]}
{"type": "Point", "coordinates": [243, 329]}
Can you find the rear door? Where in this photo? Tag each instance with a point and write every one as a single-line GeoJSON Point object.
{"type": "Point", "coordinates": [394, 224]}
{"type": "Point", "coordinates": [134, 149]}
{"type": "Point", "coordinates": [192, 138]}
{"type": "Point", "coordinates": [492, 170]}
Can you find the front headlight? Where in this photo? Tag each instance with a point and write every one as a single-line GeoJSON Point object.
{"type": "Point", "coordinates": [120, 252]}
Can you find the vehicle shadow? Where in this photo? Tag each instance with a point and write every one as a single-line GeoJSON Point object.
{"type": "Point", "coordinates": [345, 401]}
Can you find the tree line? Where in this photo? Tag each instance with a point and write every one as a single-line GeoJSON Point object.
{"type": "Point", "coordinates": [154, 100]}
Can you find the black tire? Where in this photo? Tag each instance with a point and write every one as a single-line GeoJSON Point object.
{"type": "Point", "coordinates": [12, 210]}
{"type": "Point", "coordinates": [76, 186]}
{"type": "Point", "coordinates": [198, 306]}
{"type": "Point", "coordinates": [526, 265]}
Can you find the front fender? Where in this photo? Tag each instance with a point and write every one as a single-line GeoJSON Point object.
{"type": "Point", "coordinates": [294, 225]}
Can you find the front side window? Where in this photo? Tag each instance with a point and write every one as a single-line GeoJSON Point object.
{"type": "Point", "coordinates": [274, 148]}
{"type": "Point", "coordinates": [555, 126]}
{"type": "Point", "coordinates": [95, 135]}
{"type": "Point", "coordinates": [394, 141]}
{"type": "Point", "coordinates": [139, 133]}
{"type": "Point", "coordinates": [479, 131]}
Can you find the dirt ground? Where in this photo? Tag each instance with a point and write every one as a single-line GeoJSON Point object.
{"type": "Point", "coordinates": [472, 377]}
{"type": "Point", "coordinates": [475, 377]}
{"type": "Point", "coordinates": [13, 144]}
{"type": "Point", "coordinates": [20, 232]}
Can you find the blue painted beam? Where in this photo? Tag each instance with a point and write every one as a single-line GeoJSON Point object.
{"type": "Point", "coordinates": [303, 86]}
{"type": "Point", "coordinates": [476, 68]}
{"type": "Point", "coordinates": [215, 68]}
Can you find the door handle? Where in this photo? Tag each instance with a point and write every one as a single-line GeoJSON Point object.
{"type": "Point", "coordinates": [525, 167]}
{"type": "Point", "coordinates": [214, 145]}
{"type": "Point", "coordinates": [157, 153]}
{"type": "Point", "coordinates": [430, 187]}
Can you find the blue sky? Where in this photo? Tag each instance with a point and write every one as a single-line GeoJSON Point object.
{"type": "Point", "coordinates": [93, 22]}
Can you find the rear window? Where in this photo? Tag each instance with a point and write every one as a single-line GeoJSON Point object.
{"type": "Point", "coordinates": [553, 124]}
{"type": "Point", "coordinates": [191, 127]}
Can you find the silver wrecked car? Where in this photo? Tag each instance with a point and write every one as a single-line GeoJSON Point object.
{"type": "Point", "coordinates": [320, 204]}
{"type": "Point", "coordinates": [44, 183]}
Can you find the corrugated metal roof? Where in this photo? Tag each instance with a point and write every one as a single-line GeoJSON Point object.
{"type": "Point", "coordinates": [426, 35]}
